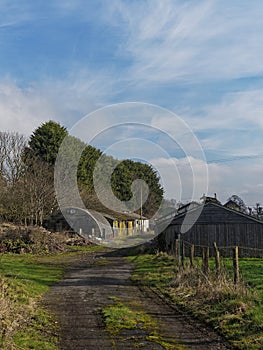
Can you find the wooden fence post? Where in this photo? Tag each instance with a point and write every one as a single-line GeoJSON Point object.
{"type": "Point", "coordinates": [183, 254]}
{"type": "Point", "coordinates": [217, 259]}
{"type": "Point", "coordinates": [176, 249]}
{"type": "Point", "coordinates": [206, 260]}
{"type": "Point", "coordinates": [179, 250]}
{"type": "Point", "coordinates": [192, 254]}
{"type": "Point", "coordinates": [235, 265]}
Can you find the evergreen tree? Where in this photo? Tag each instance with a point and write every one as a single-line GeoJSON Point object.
{"type": "Point", "coordinates": [45, 141]}
{"type": "Point", "coordinates": [127, 172]}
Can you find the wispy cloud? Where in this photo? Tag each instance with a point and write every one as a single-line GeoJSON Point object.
{"type": "Point", "coordinates": [237, 108]}
{"type": "Point", "coordinates": [15, 12]}
{"type": "Point", "coordinates": [234, 124]}
{"type": "Point", "coordinates": [189, 41]}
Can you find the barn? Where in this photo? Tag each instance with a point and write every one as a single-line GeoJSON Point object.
{"type": "Point", "coordinates": [202, 225]}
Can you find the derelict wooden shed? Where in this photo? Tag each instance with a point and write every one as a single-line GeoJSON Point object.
{"type": "Point", "coordinates": [212, 222]}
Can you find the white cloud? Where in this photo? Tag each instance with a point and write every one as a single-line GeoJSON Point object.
{"type": "Point", "coordinates": [239, 177]}
{"type": "Point", "coordinates": [79, 93]}
{"type": "Point", "coordinates": [184, 179]}
{"type": "Point", "coordinates": [173, 40]}
{"type": "Point", "coordinates": [24, 109]}
{"type": "Point", "coordinates": [236, 109]}
{"type": "Point", "coordinates": [235, 124]}
{"type": "Point", "coordinates": [243, 178]}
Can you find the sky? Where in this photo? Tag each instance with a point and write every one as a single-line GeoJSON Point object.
{"type": "Point", "coordinates": [199, 62]}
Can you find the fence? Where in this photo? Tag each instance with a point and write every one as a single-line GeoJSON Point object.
{"type": "Point", "coordinates": [184, 249]}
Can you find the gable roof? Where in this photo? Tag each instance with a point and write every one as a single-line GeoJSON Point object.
{"type": "Point", "coordinates": [214, 213]}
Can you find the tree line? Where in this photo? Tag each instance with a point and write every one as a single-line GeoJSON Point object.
{"type": "Point", "coordinates": [27, 193]}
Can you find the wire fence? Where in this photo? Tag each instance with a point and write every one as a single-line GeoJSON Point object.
{"type": "Point", "coordinates": [225, 251]}
{"type": "Point", "coordinates": [184, 250]}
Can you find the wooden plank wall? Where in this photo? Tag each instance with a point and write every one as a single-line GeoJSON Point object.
{"type": "Point", "coordinates": [248, 237]}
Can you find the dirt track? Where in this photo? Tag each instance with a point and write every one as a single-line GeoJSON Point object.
{"type": "Point", "coordinates": [87, 287]}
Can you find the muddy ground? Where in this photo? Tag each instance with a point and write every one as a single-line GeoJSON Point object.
{"type": "Point", "coordinates": [89, 285]}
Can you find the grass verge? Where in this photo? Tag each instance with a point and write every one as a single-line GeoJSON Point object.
{"type": "Point", "coordinates": [235, 311]}
{"type": "Point", "coordinates": [24, 322]}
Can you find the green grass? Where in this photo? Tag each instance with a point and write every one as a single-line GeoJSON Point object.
{"type": "Point", "coordinates": [153, 270]}
{"type": "Point", "coordinates": [235, 311]}
{"type": "Point", "coordinates": [40, 333]}
{"type": "Point", "coordinates": [24, 279]}
{"type": "Point", "coordinates": [89, 248]}
{"type": "Point", "coordinates": [120, 317]}
{"type": "Point", "coordinates": [30, 272]}
{"type": "Point", "coordinates": [251, 270]}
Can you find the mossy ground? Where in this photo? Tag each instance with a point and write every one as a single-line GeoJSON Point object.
{"type": "Point", "coordinates": [120, 317]}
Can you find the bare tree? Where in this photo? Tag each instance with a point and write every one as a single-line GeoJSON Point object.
{"type": "Point", "coordinates": [37, 191]}
{"type": "Point", "coordinates": [12, 168]}
{"type": "Point", "coordinates": [239, 202]}
{"type": "Point", "coordinates": [257, 211]}
{"type": "Point", "coordinates": [26, 185]}
{"type": "Point", "coordinates": [12, 146]}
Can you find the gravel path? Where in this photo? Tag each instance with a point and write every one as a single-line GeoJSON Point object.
{"type": "Point", "coordinates": [87, 287]}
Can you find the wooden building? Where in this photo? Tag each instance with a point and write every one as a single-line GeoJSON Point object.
{"type": "Point", "coordinates": [212, 222]}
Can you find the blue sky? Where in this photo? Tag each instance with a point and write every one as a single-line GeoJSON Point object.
{"type": "Point", "coordinates": [203, 61]}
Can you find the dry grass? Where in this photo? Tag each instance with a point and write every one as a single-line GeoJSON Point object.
{"type": "Point", "coordinates": [200, 292]}
{"type": "Point", "coordinates": [192, 282]}
{"type": "Point", "coordinates": [13, 315]}
{"type": "Point", "coordinates": [217, 301]}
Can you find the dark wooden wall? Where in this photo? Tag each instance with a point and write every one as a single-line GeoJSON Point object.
{"type": "Point", "coordinates": [216, 224]}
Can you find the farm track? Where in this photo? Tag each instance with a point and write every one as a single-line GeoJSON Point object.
{"type": "Point", "coordinates": [87, 287]}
